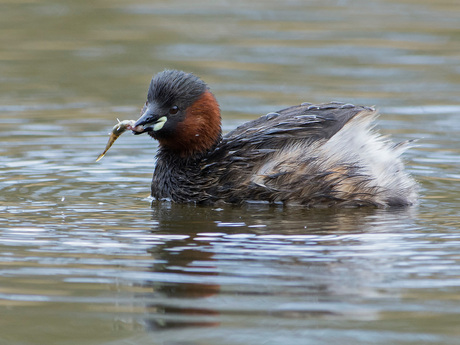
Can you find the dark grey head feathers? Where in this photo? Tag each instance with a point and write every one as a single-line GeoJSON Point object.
{"type": "Point", "coordinates": [171, 87]}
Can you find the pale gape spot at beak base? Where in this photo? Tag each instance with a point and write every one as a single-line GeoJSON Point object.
{"type": "Point", "coordinates": [160, 123]}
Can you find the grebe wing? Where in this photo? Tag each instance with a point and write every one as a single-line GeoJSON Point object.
{"type": "Point", "coordinates": [306, 122]}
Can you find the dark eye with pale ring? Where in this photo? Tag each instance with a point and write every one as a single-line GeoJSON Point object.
{"type": "Point", "coordinates": [173, 110]}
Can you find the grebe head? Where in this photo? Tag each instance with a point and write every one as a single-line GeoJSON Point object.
{"type": "Point", "coordinates": [181, 113]}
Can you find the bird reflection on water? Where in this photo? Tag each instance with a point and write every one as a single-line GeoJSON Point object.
{"type": "Point", "coordinates": [204, 275]}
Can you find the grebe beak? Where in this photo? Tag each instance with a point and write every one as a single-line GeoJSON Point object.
{"type": "Point", "coordinates": [150, 121]}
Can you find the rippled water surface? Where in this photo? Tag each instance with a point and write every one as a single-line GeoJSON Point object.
{"type": "Point", "coordinates": [85, 258]}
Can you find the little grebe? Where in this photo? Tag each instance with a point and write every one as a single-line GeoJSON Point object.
{"type": "Point", "coordinates": [311, 155]}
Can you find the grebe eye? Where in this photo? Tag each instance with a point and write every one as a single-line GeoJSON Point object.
{"type": "Point", "coordinates": [173, 110]}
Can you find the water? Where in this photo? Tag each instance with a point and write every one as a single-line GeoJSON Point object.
{"type": "Point", "coordinates": [86, 259]}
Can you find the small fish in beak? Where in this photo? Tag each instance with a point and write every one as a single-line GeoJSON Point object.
{"type": "Point", "coordinates": [118, 130]}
